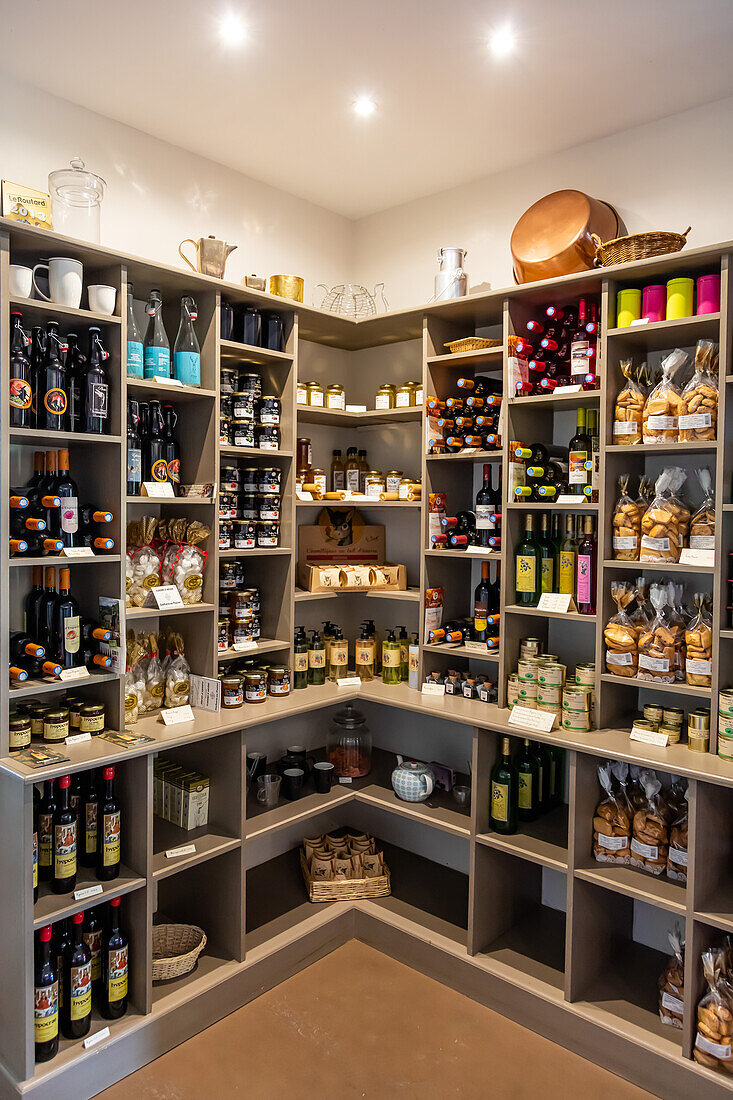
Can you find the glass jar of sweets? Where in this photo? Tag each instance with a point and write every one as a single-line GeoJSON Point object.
{"type": "Point", "coordinates": [228, 380]}
{"type": "Point", "coordinates": [349, 743]}
{"type": "Point", "coordinates": [243, 405]}
{"type": "Point", "coordinates": [268, 534]}
{"type": "Point", "coordinates": [301, 393]}
{"type": "Point", "coordinates": [316, 395]}
{"type": "Point", "coordinates": [335, 397]}
{"type": "Point", "coordinates": [392, 481]}
{"type": "Point", "coordinates": [250, 382]}
{"type": "Point", "coordinates": [225, 430]}
{"type": "Point", "coordinates": [225, 534]}
{"type": "Point", "coordinates": [228, 574]}
{"type": "Point", "coordinates": [229, 479]}
{"type": "Point", "coordinates": [222, 635]}
{"type": "Point", "coordinates": [267, 437]}
{"type": "Point", "coordinates": [248, 506]}
{"type": "Point", "coordinates": [269, 506]}
{"type": "Point", "coordinates": [269, 410]}
{"type": "Point", "coordinates": [386, 397]}
{"type": "Point", "coordinates": [417, 390]}
{"type": "Point", "coordinates": [248, 479]}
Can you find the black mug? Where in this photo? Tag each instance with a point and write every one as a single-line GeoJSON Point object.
{"type": "Point", "coordinates": [272, 331]}
{"type": "Point", "coordinates": [256, 765]}
{"type": "Point", "coordinates": [297, 757]}
{"type": "Point", "coordinates": [227, 321]}
{"type": "Point", "coordinates": [251, 326]}
{"type": "Point", "coordinates": [323, 776]}
{"type": "Point", "coordinates": [292, 784]}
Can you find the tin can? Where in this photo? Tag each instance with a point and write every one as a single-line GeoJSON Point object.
{"type": "Point", "coordinates": [577, 721]}
{"type": "Point", "coordinates": [576, 697]}
{"type": "Point", "coordinates": [725, 746]}
{"type": "Point", "coordinates": [698, 740]}
{"type": "Point", "coordinates": [698, 719]}
{"type": "Point", "coordinates": [673, 733]}
{"type": "Point", "coordinates": [673, 716]}
{"type": "Point", "coordinates": [549, 696]}
{"type": "Point", "coordinates": [530, 647]}
{"type": "Point", "coordinates": [550, 674]}
{"type": "Point", "coordinates": [586, 675]}
{"type": "Point", "coordinates": [653, 713]}
{"type": "Point", "coordinates": [512, 690]}
{"type": "Point", "coordinates": [527, 694]}
{"type": "Point", "coordinates": [527, 670]}
{"type": "Point", "coordinates": [725, 701]}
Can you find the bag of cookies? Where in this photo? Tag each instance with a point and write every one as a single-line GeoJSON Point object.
{"type": "Point", "coordinates": [671, 984]}
{"type": "Point", "coordinates": [702, 522]}
{"type": "Point", "coordinates": [675, 620]}
{"type": "Point", "coordinates": [677, 854]}
{"type": "Point", "coordinates": [699, 415]}
{"type": "Point", "coordinates": [664, 523]}
{"type": "Point", "coordinates": [650, 828]}
{"type": "Point", "coordinates": [658, 645]}
{"type": "Point", "coordinates": [642, 616]}
{"type": "Point", "coordinates": [634, 789]}
{"type": "Point", "coordinates": [626, 524]}
{"type": "Point", "coordinates": [612, 819]}
{"type": "Point", "coordinates": [664, 404]}
{"type": "Point", "coordinates": [714, 1037]}
{"type": "Point", "coordinates": [699, 646]}
{"type": "Point", "coordinates": [619, 634]}
{"type": "Point", "coordinates": [629, 410]}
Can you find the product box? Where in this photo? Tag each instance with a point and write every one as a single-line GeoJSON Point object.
{"type": "Point", "coordinates": [23, 204]}
{"type": "Point", "coordinates": [352, 578]}
{"type": "Point", "coordinates": [195, 804]}
{"type": "Point", "coordinates": [341, 538]}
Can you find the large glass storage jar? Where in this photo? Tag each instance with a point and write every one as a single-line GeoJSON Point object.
{"type": "Point", "coordinates": [349, 743]}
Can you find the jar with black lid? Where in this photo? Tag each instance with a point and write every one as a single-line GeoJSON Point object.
{"type": "Point", "coordinates": [269, 409]}
{"type": "Point", "coordinates": [225, 406]}
{"type": "Point", "coordinates": [74, 703]}
{"type": "Point", "coordinates": [227, 505]}
{"type": "Point", "coordinates": [56, 725]}
{"type": "Point", "coordinates": [255, 686]}
{"type": "Point", "coordinates": [267, 437]}
{"type": "Point", "coordinates": [229, 380]}
{"type": "Point", "coordinates": [250, 382]}
{"type": "Point", "coordinates": [268, 533]}
{"type": "Point", "coordinates": [248, 478]}
{"type": "Point", "coordinates": [228, 574]}
{"type": "Point", "coordinates": [241, 631]}
{"type": "Point", "coordinates": [91, 718]}
{"type": "Point", "coordinates": [231, 691]}
{"type": "Point", "coordinates": [37, 714]}
{"type": "Point", "coordinates": [269, 506]}
{"type": "Point", "coordinates": [19, 732]}
{"type": "Point", "coordinates": [243, 433]}
{"type": "Point", "coordinates": [278, 680]}
{"type": "Point", "coordinates": [254, 597]}
{"type": "Point", "coordinates": [245, 534]}
{"type": "Point", "coordinates": [222, 635]}
{"type": "Point", "coordinates": [268, 479]}
{"type": "Point", "coordinates": [225, 534]}
{"type": "Point", "coordinates": [229, 480]}
{"type": "Point", "coordinates": [249, 505]}
{"type": "Point", "coordinates": [243, 405]}
{"type": "Point", "coordinates": [225, 430]}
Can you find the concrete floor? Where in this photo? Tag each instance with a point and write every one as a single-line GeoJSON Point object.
{"type": "Point", "coordinates": [359, 1024]}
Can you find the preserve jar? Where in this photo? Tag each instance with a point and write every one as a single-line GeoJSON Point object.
{"type": "Point", "coordinates": [243, 405]}
{"type": "Point", "coordinates": [335, 397]}
{"type": "Point", "coordinates": [229, 479]}
{"type": "Point", "coordinates": [225, 406]}
{"type": "Point", "coordinates": [228, 574]}
{"type": "Point", "coordinates": [255, 686]}
{"type": "Point", "coordinates": [392, 481]}
{"type": "Point", "coordinates": [248, 477]}
{"type": "Point", "coordinates": [225, 535]}
{"type": "Point", "coordinates": [37, 713]}
{"type": "Point", "coordinates": [74, 703]}
{"type": "Point", "coordinates": [301, 393]}
{"type": "Point", "coordinates": [245, 534]}
{"type": "Point", "coordinates": [268, 479]}
{"type": "Point", "coordinates": [417, 388]}
{"type": "Point", "coordinates": [250, 382]}
{"type": "Point", "coordinates": [269, 410]}
{"type": "Point", "coordinates": [231, 692]}
{"type": "Point", "coordinates": [222, 635]}
{"type": "Point", "coordinates": [239, 604]}
{"type": "Point", "coordinates": [228, 380]}
{"type": "Point", "coordinates": [349, 743]}
{"type": "Point", "coordinates": [56, 725]}
{"type": "Point", "coordinates": [269, 506]}
{"type": "Point", "coordinates": [278, 680]}
{"type": "Point", "coordinates": [267, 437]}
{"type": "Point", "coordinates": [227, 505]}
{"type": "Point", "coordinates": [91, 718]}
{"type": "Point", "coordinates": [316, 396]}
{"type": "Point", "coordinates": [304, 457]}
{"type": "Point", "coordinates": [19, 731]}
{"type": "Point", "coordinates": [317, 476]}
{"type": "Point", "coordinates": [254, 598]}
{"type": "Point", "coordinates": [404, 397]}
{"type": "Point", "coordinates": [374, 484]}
{"type": "Point", "coordinates": [225, 429]}
{"type": "Point", "coordinates": [268, 533]}
{"type": "Point", "coordinates": [248, 506]}
{"type": "Point", "coordinates": [243, 433]}
{"type": "Point", "coordinates": [386, 397]}
{"type": "Point", "coordinates": [242, 630]}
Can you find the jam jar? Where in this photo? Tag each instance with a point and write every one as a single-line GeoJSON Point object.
{"type": "Point", "coordinates": [250, 382]}
{"type": "Point", "coordinates": [243, 405]}
{"type": "Point", "coordinates": [249, 505]}
{"type": "Point", "coordinates": [386, 397]}
{"type": "Point", "coordinates": [227, 505]}
{"type": "Point", "coordinates": [229, 380]}
{"type": "Point", "coordinates": [225, 534]}
{"type": "Point", "coordinates": [225, 429]}
{"type": "Point", "coordinates": [392, 481]}
{"type": "Point", "coordinates": [248, 479]}
{"type": "Point", "coordinates": [245, 534]}
{"type": "Point", "coordinates": [228, 574]}
{"type": "Point", "coordinates": [267, 437]}
{"type": "Point", "coordinates": [255, 626]}
{"type": "Point", "coordinates": [255, 686]}
{"type": "Point", "coordinates": [269, 409]}
{"type": "Point", "coordinates": [19, 732]}
{"type": "Point", "coordinates": [317, 476]}
{"type": "Point", "coordinates": [268, 533]}
{"type": "Point", "coordinates": [301, 393]}
{"type": "Point", "coordinates": [91, 718]}
{"type": "Point", "coordinates": [268, 479]}
{"type": "Point", "coordinates": [278, 680]}
{"type": "Point", "coordinates": [335, 397]}
{"type": "Point", "coordinates": [374, 484]}
{"type": "Point", "coordinates": [225, 406]}
{"type": "Point", "coordinates": [56, 725]}
{"type": "Point", "coordinates": [232, 695]}
{"type": "Point", "coordinates": [229, 479]}
{"type": "Point", "coordinates": [316, 395]}
{"type": "Point", "coordinates": [242, 631]}
{"type": "Point", "coordinates": [254, 598]}
{"type": "Point", "coordinates": [243, 433]}
{"type": "Point", "coordinates": [269, 506]}
{"type": "Point", "coordinates": [239, 604]}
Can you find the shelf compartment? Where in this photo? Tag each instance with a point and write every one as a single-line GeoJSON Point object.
{"type": "Point", "coordinates": [36, 437]}
{"type": "Point", "coordinates": [37, 311]}
{"type": "Point", "coordinates": [557, 401]}
{"type": "Point", "coordinates": [660, 335]}
{"type": "Point", "coordinates": [540, 506]}
{"type": "Point", "coordinates": [265, 645]}
{"type": "Point", "coordinates": [154, 613]}
{"type": "Point", "coordinates": [210, 841]}
{"type": "Point", "coordinates": [169, 389]}
{"type": "Point", "coordinates": [308, 414]}
{"type": "Point", "coordinates": [365, 503]}
{"type": "Point", "coordinates": [575, 616]}
{"type": "Point", "coordinates": [466, 555]}
{"type": "Point", "coordinates": [64, 562]}
{"type": "Point", "coordinates": [449, 649]}
{"type": "Point", "coordinates": [653, 890]}
{"type": "Point", "coordinates": [179, 502]}
{"type": "Point", "coordinates": [51, 907]}
{"type": "Point", "coordinates": [42, 687]}
{"type": "Point", "coordinates": [261, 820]}
{"type": "Point", "coordinates": [256, 552]}
{"type": "Point", "coordinates": [493, 357]}
{"type": "Point", "coordinates": [411, 595]}
{"type": "Point", "coordinates": [467, 456]}
{"type": "Point", "coordinates": [544, 841]}
{"type": "Point", "coordinates": [432, 890]}
{"type": "Point", "coordinates": [277, 899]}
{"type": "Point", "coordinates": [654, 685]}
{"type": "Point", "coordinates": [232, 349]}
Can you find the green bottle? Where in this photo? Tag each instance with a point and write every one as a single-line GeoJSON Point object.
{"type": "Point", "coordinates": [404, 639]}
{"type": "Point", "coordinates": [503, 797]}
{"type": "Point", "coordinates": [544, 762]}
{"type": "Point", "coordinates": [391, 659]}
{"type": "Point", "coordinates": [528, 771]}
{"type": "Point", "coordinates": [338, 657]}
{"type": "Point", "coordinates": [300, 659]}
{"type": "Point", "coordinates": [557, 775]}
{"type": "Point", "coordinates": [316, 659]}
{"type": "Point", "coordinates": [547, 555]}
{"type": "Point", "coordinates": [527, 567]}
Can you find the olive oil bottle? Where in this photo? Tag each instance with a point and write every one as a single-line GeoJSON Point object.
{"type": "Point", "coordinates": [528, 773]}
{"type": "Point", "coordinates": [503, 797]}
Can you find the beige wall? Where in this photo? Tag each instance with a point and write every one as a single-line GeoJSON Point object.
{"type": "Point", "coordinates": [158, 194]}
{"type": "Point", "coordinates": [665, 175]}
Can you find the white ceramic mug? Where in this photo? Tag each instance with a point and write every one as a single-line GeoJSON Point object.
{"type": "Point", "coordinates": [65, 280]}
{"type": "Point", "coordinates": [102, 298]}
{"type": "Point", "coordinates": [21, 281]}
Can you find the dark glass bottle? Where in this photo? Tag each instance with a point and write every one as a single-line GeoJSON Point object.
{"type": "Point", "coordinates": [171, 450]}
{"type": "Point", "coordinates": [93, 934]}
{"type": "Point", "coordinates": [587, 569]}
{"type": "Point", "coordinates": [547, 555]}
{"type": "Point", "coordinates": [46, 810]}
{"type": "Point", "coordinates": [62, 941]}
{"type": "Point", "coordinates": [481, 602]}
{"type": "Point", "coordinates": [115, 966]}
{"type": "Point", "coordinates": [503, 797]}
{"type": "Point", "coordinates": [557, 774]}
{"type": "Point", "coordinates": [316, 659]}
{"type": "Point", "coordinates": [89, 816]}
{"type": "Point", "coordinates": [53, 396]}
{"type": "Point", "coordinates": [65, 487]}
{"type": "Point", "coordinates": [36, 802]}
{"type": "Point", "coordinates": [44, 630]}
{"type": "Point", "coordinates": [527, 567]}
{"type": "Point", "coordinates": [75, 362]}
{"type": "Point", "coordinates": [134, 448]}
{"type": "Point", "coordinates": [96, 386]}
{"type": "Point", "coordinates": [109, 825]}
{"type": "Point", "coordinates": [21, 376]}
{"type": "Point", "coordinates": [64, 841]}
{"type": "Point", "coordinates": [45, 1000]}
{"type": "Point", "coordinates": [66, 629]}
{"type": "Point", "coordinates": [155, 467]}
{"type": "Point", "coordinates": [76, 1010]}
{"type": "Point", "coordinates": [544, 762]}
{"type": "Point", "coordinates": [580, 451]}
{"type": "Point", "coordinates": [485, 509]}
{"type": "Point", "coordinates": [300, 659]}
{"type": "Point", "coordinates": [38, 355]}
{"type": "Point", "coordinates": [528, 792]}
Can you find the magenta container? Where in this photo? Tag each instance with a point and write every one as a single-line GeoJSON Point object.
{"type": "Point", "coordinates": [708, 294]}
{"type": "Point", "coordinates": [654, 302]}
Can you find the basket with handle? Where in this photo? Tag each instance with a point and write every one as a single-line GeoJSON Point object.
{"type": "Point", "coordinates": [638, 246]}
{"type": "Point", "coordinates": [471, 343]}
{"type": "Point", "coordinates": [176, 948]}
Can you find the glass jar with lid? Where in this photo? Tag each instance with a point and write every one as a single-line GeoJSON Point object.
{"type": "Point", "coordinates": [417, 389]}
{"type": "Point", "coordinates": [301, 393]}
{"type": "Point", "coordinates": [405, 396]}
{"type": "Point", "coordinates": [269, 409]}
{"type": "Point", "coordinates": [374, 484]}
{"type": "Point", "coordinates": [316, 395]}
{"type": "Point", "coordinates": [349, 743]}
{"type": "Point", "coordinates": [335, 397]}
{"type": "Point", "coordinates": [392, 481]}
{"type": "Point", "coordinates": [76, 199]}
{"type": "Point", "coordinates": [251, 382]}
{"type": "Point", "coordinates": [317, 477]}
{"type": "Point", "coordinates": [386, 397]}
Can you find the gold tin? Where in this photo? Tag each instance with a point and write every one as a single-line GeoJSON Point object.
{"type": "Point", "coordinates": [725, 746]}
{"type": "Point", "coordinates": [287, 286]}
{"type": "Point", "coordinates": [550, 674]}
{"type": "Point", "coordinates": [549, 696]}
{"type": "Point", "coordinates": [698, 740]}
{"type": "Point", "coordinates": [578, 721]}
{"type": "Point", "coordinates": [576, 697]}
{"type": "Point", "coordinates": [530, 647]}
{"type": "Point", "coordinates": [653, 713]}
{"type": "Point", "coordinates": [386, 397]}
{"type": "Point", "coordinates": [527, 694]}
{"type": "Point", "coordinates": [586, 675]}
{"type": "Point", "coordinates": [673, 733]}
{"type": "Point", "coordinates": [725, 701]}
{"type": "Point", "coordinates": [512, 690]}
{"type": "Point", "coordinates": [673, 716]}
{"type": "Point", "coordinates": [527, 670]}
{"type": "Point", "coordinates": [698, 719]}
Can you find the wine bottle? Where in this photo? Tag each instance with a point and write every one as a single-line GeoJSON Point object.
{"type": "Point", "coordinates": [134, 448]}
{"type": "Point", "coordinates": [75, 369]}
{"type": "Point", "coordinates": [45, 1000]}
{"type": "Point", "coordinates": [544, 763]}
{"type": "Point", "coordinates": [89, 817]}
{"type": "Point", "coordinates": [171, 450]}
{"type": "Point", "coordinates": [32, 600]}
{"type": "Point", "coordinates": [76, 1009]}
{"type": "Point", "coordinates": [36, 801]}
{"type": "Point", "coordinates": [96, 386]}
{"type": "Point", "coordinates": [186, 350]}
{"type": "Point", "coordinates": [546, 552]}
{"type": "Point", "coordinates": [37, 357]}
{"type": "Point", "coordinates": [481, 604]}
{"type": "Point", "coordinates": [53, 406]}
{"type": "Point", "coordinates": [503, 796]}
{"type": "Point", "coordinates": [109, 829]}
{"type": "Point", "coordinates": [578, 346]}
{"type": "Point", "coordinates": [44, 631]}
{"type": "Point", "coordinates": [156, 349]}
{"type": "Point", "coordinates": [595, 456]}
{"type": "Point", "coordinates": [65, 487]}
{"type": "Point", "coordinates": [528, 791]}
{"type": "Point", "coordinates": [587, 566]}
{"type": "Point", "coordinates": [66, 625]}
{"type": "Point", "coordinates": [21, 376]}
{"type": "Point", "coordinates": [46, 811]}
{"type": "Point", "coordinates": [64, 841]}
{"type": "Point", "coordinates": [485, 509]}
{"type": "Point", "coordinates": [134, 350]}
{"type": "Point", "coordinates": [23, 647]}
{"type": "Point", "coordinates": [115, 966]}
{"type": "Point", "coordinates": [527, 568]}
{"type": "Point", "coordinates": [566, 559]}
{"type": "Point", "coordinates": [62, 942]}
{"type": "Point", "coordinates": [579, 452]}
{"type": "Point", "coordinates": [92, 934]}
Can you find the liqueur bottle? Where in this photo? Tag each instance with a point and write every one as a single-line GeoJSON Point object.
{"type": "Point", "coordinates": [45, 999]}
{"type": "Point", "coordinates": [528, 792]}
{"type": "Point", "coordinates": [64, 841]}
{"type": "Point", "coordinates": [527, 567]}
{"type": "Point", "coordinates": [76, 1010]}
{"type": "Point", "coordinates": [115, 967]}
{"type": "Point", "coordinates": [109, 826]}
{"type": "Point", "coordinates": [21, 392]}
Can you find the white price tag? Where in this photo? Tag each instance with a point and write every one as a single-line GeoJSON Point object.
{"type": "Point", "coordinates": [356, 408]}
{"type": "Point", "coordinates": [528, 719]}
{"type": "Point", "coordinates": [566, 389]}
{"type": "Point", "coordinates": [165, 596]}
{"type": "Point", "coordinates": [81, 673]}
{"type": "Point", "coordinates": [77, 738]}
{"type": "Point", "coordinates": [639, 321]}
{"type": "Point", "coordinates": [718, 1050]}
{"type": "Point", "coordinates": [619, 658]}
{"type": "Point", "coordinates": [649, 737]}
{"type": "Point", "coordinates": [348, 682]}
{"type": "Point", "coordinates": [88, 892]}
{"type": "Point", "coordinates": [647, 851]}
{"type": "Point", "coordinates": [97, 1037]}
{"type": "Point", "coordinates": [244, 647]}
{"type": "Point", "coordinates": [612, 843]}
{"type": "Point", "coordinates": [176, 716]}
{"type": "Point", "coordinates": [679, 856]}
{"type": "Point", "coordinates": [304, 496]}
{"type": "Point", "coordinates": [673, 1004]}
{"type": "Point", "coordinates": [697, 557]}
{"type": "Point", "coordinates": [346, 780]}
{"type": "Point", "coordinates": [205, 692]}
{"type": "Point", "coordinates": [183, 850]}
{"type": "Point", "coordinates": [553, 601]}
{"type": "Point", "coordinates": [167, 381]}
{"type": "Point", "coordinates": [653, 664]}
{"type": "Point", "coordinates": [77, 552]}
{"type": "Point", "coordinates": [569, 498]}
{"type": "Point", "coordinates": [163, 489]}
{"type": "Point", "coordinates": [433, 689]}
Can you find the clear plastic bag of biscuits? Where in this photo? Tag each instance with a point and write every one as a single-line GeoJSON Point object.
{"type": "Point", "coordinates": [642, 615]}
{"type": "Point", "coordinates": [671, 984]}
{"type": "Point", "coordinates": [629, 408]}
{"type": "Point", "coordinates": [626, 524]}
{"type": "Point", "coordinates": [646, 493]}
{"type": "Point", "coordinates": [714, 1036]}
{"type": "Point", "coordinates": [677, 854]}
{"type": "Point", "coordinates": [612, 819]}
{"type": "Point", "coordinates": [699, 416]}
{"type": "Point", "coordinates": [658, 644]}
{"type": "Point", "coordinates": [699, 646]}
{"type": "Point", "coordinates": [664, 524]}
{"type": "Point", "coordinates": [702, 521]}
{"type": "Point", "coordinates": [619, 633]}
{"type": "Point", "coordinates": [675, 618]}
{"type": "Point", "coordinates": [664, 404]}
{"type": "Point", "coordinates": [650, 828]}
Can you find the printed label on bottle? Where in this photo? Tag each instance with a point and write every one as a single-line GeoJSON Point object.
{"type": "Point", "coordinates": [566, 573]}
{"type": "Point", "coordinates": [626, 427]}
{"type": "Point", "coordinates": [134, 359]}
{"type": "Point", "coordinates": [21, 394]}
{"type": "Point", "coordinates": [35, 860]}
{"type": "Point", "coordinates": [679, 856]}
{"type": "Point", "coordinates": [134, 464]}
{"type": "Point", "coordinates": [117, 974]}
{"type": "Point", "coordinates": [72, 634]}
{"type": "Point", "coordinates": [695, 420]}
{"type": "Point", "coordinates": [352, 481]}
{"type": "Point", "coordinates": [93, 940]}
{"type": "Point", "coordinates": [187, 367]}
{"type": "Point", "coordinates": [173, 469]}
{"type": "Point", "coordinates": [390, 657]}
{"type": "Point", "coordinates": [90, 826]}
{"type": "Point", "coordinates": [45, 840]}
{"type": "Point", "coordinates": [585, 569]}
{"type": "Point", "coordinates": [364, 653]}
{"type": "Point", "coordinates": [300, 662]}
{"type": "Point", "coordinates": [45, 1012]}
{"type": "Point", "coordinates": [619, 658]}
{"type": "Point", "coordinates": [157, 363]}
{"type": "Point", "coordinates": [69, 515]}
{"type": "Point", "coordinates": [339, 654]}
{"type": "Point", "coordinates": [414, 660]}
{"type": "Point", "coordinates": [526, 573]}
{"type": "Point", "coordinates": [661, 423]}
{"type": "Point", "coordinates": [499, 801]}
{"type": "Point", "coordinates": [698, 667]}
{"type": "Point", "coordinates": [65, 850]}
{"type": "Point", "coordinates": [673, 1004]}
{"type": "Point", "coordinates": [576, 467]}
{"type": "Point", "coordinates": [547, 574]}
{"type": "Point", "coordinates": [55, 401]}
{"type": "Point", "coordinates": [316, 658]}
{"type": "Point", "coordinates": [159, 470]}
{"type": "Point", "coordinates": [625, 542]}
{"type": "Point", "coordinates": [718, 1050]}
{"type": "Point", "coordinates": [98, 399]}
{"type": "Point", "coordinates": [81, 991]}
{"type": "Point", "coordinates": [654, 664]}
{"type": "Point", "coordinates": [578, 358]}
{"type": "Point", "coordinates": [649, 543]}
{"type": "Point", "coordinates": [485, 517]}
{"type": "Point", "coordinates": [612, 843]}
{"type": "Point", "coordinates": [647, 851]}
{"type": "Point", "coordinates": [111, 839]}
{"type": "Point", "coordinates": [702, 542]}
{"type": "Point", "coordinates": [524, 797]}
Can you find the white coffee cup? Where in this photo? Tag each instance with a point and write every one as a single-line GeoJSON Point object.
{"type": "Point", "coordinates": [102, 298]}
{"type": "Point", "coordinates": [20, 281]}
{"type": "Point", "coordinates": [65, 280]}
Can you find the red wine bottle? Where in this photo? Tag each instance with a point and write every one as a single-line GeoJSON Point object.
{"type": "Point", "coordinates": [45, 1000]}
{"type": "Point", "coordinates": [46, 810]}
{"type": "Point", "coordinates": [109, 829]}
{"type": "Point", "coordinates": [115, 965]}
{"type": "Point", "coordinates": [76, 1009]}
{"type": "Point", "coordinates": [65, 487]}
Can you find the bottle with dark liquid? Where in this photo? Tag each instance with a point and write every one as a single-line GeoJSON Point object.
{"type": "Point", "coordinates": [155, 467]}
{"type": "Point", "coordinates": [66, 625]}
{"type": "Point", "coordinates": [503, 793]}
{"type": "Point", "coordinates": [21, 376]}
{"type": "Point", "coordinates": [46, 811]}
{"type": "Point", "coordinates": [37, 356]}
{"type": "Point", "coordinates": [45, 1000]}
{"type": "Point", "coordinates": [75, 364]}
{"type": "Point", "coordinates": [96, 386]}
{"type": "Point", "coordinates": [89, 814]}
{"type": "Point", "coordinates": [134, 448]}
{"type": "Point", "coordinates": [587, 566]}
{"type": "Point", "coordinates": [527, 567]}
{"type": "Point", "coordinates": [109, 827]}
{"type": "Point", "coordinates": [65, 487]}
{"type": "Point", "coordinates": [528, 792]}
{"type": "Point", "coordinates": [115, 967]}
{"type": "Point", "coordinates": [482, 599]}
{"type": "Point", "coordinates": [171, 450]}
{"type": "Point", "coordinates": [76, 1010]}
{"type": "Point", "coordinates": [485, 509]}
{"type": "Point", "coordinates": [53, 397]}
{"type": "Point", "coordinates": [64, 841]}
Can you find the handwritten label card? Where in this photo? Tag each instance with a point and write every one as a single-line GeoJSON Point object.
{"type": "Point", "coordinates": [527, 719]}
{"type": "Point", "coordinates": [554, 601]}
{"type": "Point", "coordinates": [176, 716]}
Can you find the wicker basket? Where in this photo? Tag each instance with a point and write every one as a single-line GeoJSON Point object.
{"type": "Point", "coordinates": [639, 246]}
{"type": "Point", "coordinates": [349, 889]}
{"type": "Point", "coordinates": [176, 948]}
{"type": "Point", "coordinates": [471, 343]}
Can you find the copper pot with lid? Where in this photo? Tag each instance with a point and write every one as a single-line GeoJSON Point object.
{"type": "Point", "coordinates": [553, 237]}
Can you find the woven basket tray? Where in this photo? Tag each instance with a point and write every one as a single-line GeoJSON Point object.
{"type": "Point", "coordinates": [471, 343]}
{"type": "Point", "coordinates": [176, 948]}
{"type": "Point", "coordinates": [640, 246]}
{"type": "Point", "coordinates": [350, 889]}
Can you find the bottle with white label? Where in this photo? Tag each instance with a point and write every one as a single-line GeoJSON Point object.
{"type": "Point", "coordinates": [186, 351]}
{"type": "Point", "coordinates": [64, 486]}
{"type": "Point", "coordinates": [157, 349]}
{"type": "Point", "coordinates": [486, 508]}
{"type": "Point", "coordinates": [66, 625]}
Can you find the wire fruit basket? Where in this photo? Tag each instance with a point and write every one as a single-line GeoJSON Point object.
{"type": "Point", "coordinates": [352, 300]}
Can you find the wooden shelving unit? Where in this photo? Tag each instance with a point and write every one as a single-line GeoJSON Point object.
{"type": "Point", "coordinates": [528, 921]}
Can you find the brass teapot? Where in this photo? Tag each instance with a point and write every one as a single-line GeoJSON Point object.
{"type": "Point", "coordinates": [211, 255]}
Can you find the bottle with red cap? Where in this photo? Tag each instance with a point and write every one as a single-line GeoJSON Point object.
{"type": "Point", "coordinates": [115, 965]}
{"type": "Point", "coordinates": [76, 1009]}
{"type": "Point", "coordinates": [45, 1000]}
{"type": "Point", "coordinates": [64, 841]}
{"type": "Point", "coordinates": [109, 829]}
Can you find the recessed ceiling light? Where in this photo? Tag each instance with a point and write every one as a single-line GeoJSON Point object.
{"type": "Point", "coordinates": [232, 29]}
{"type": "Point", "coordinates": [364, 106]}
{"type": "Point", "coordinates": [502, 41]}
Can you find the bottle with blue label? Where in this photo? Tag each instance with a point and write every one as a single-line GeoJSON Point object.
{"type": "Point", "coordinates": [134, 358]}
{"type": "Point", "coordinates": [186, 351]}
{"type": "Point", "coordinates": [157, 349]}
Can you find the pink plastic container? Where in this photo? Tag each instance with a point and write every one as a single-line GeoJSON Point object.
{"type": "Point", "coordinates": [708, 294]}
{"type": "Point", "coordinates": [654, 302]}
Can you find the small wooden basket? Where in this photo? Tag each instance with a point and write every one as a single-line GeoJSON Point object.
{"type": "Point", "coordinates": [176, 948]}
{"type": "Point", "coordinates": [471, 343]}
{"type": "Point", "coordinates": [349, 889]}
{"type": "Point", "coordinates": [639, 246]}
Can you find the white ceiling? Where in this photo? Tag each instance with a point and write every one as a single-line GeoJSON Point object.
{"type": "Point", "coordinates": [279, 109]}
